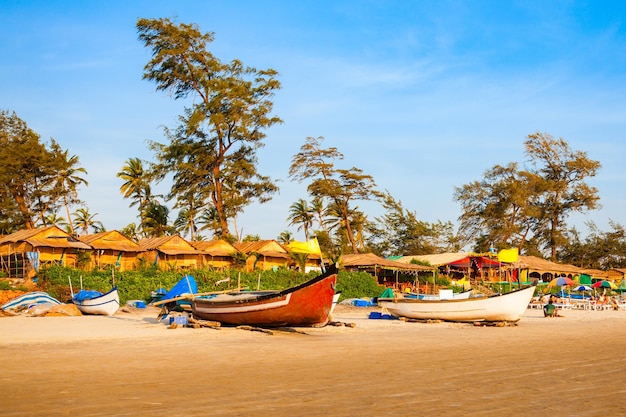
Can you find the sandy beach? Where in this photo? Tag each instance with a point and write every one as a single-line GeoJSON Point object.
{"type": "Point", "coordinates": [130, 364]}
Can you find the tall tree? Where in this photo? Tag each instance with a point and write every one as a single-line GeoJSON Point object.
{"type": "Point", "coordinates": [213, 150]}
{"type": "Point", "coordinates": [300, 214]}
{"type": "Point", "coordinates": [564, 172]}
{"type": "Point", "coordinates": [340, 186]}
{"type": "Point", "coordinates": [190, 208]}
{"type": "Point", "coordinates": [501, 209]}
{"type": "Point", "coordinates": [67, 181]}
{"type": "Point", "coordinates": [599, 250]}
{"type": "Point", "coordinates": [28, 175]}
{"type": "Point", "coordinates": [319, 212]}
{"type": "Point", "coordinates": [529, 207]}
{"type": "Point", "coordinates": [136, 186]}
{"type": "Point", "coordinates": [399, 232]}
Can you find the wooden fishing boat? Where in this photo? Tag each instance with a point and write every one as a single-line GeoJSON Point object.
{"type": "Point", "coordinates": [95, 302]}
{"type": "Point", "coordinates": [503, 307]}
{"type": "Point", "coordinates": [28, 300]}
{"type": "Point", "coordinates": [308, 304]}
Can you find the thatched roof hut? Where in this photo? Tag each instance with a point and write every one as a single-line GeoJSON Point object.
{"type": "Point", "coordinates": [264, 254]}
{"type": "Point", "coordinates": [371, 261]}
{"type": "Point", "coordinates": [386, 271]}
{"type": "Point", "coordinates": [217, 253]}
{"type": "Point", "coordinates": [170, 252]}
{"type": "Point", "coordinates": [533, 268]}
{"type": "Point", "coordinates": [112, 249]}
{"type": "Point", "coordinates": [461, 264]}
{"type": "Point", "coordinates": [24, 251]}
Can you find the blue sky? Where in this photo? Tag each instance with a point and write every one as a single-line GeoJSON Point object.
{"type": "Point", "coordinates": [422, 95]}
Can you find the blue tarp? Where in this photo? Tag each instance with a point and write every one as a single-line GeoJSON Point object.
{"type": "Point", "coordinates": [83, 295]}
{"type": "Point", "coordinates": [187, 285]}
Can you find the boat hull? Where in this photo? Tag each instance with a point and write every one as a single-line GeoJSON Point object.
{"type": "Point", "coordinates": [106, 304]}
{"type": "Point", "coordinates": [308, 304]}
{"type": "Point", "coordinates": [505, 307]}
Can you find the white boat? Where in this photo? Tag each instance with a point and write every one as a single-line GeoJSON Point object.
{"type": "Point", "coordinates": [504, 307]}
{"type": "Point", "coordinates": [95, 302]}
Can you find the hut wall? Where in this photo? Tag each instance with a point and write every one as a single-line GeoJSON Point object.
{"type": "Point", "coordinates": [179, 261]}
{"type": "Point", "coordinates": [218, 262]}
{"type": "Point", "coordinates": [265, 263]}
{"type": "Point", "coordinates": [107, 258]}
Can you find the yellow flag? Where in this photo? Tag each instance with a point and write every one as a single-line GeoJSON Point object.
{"type": "Point", "coordinates": [311, 246]}
{"type": "Point", "coordinates": [508, 255]}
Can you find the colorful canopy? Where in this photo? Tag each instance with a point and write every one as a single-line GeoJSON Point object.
{"type": "Point", "coordinates": [605, 284]}
{"type": "Point", "coordinates": [561, 281]}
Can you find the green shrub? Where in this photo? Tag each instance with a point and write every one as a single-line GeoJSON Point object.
{"type": "Point", "coordinates": [137, 285]}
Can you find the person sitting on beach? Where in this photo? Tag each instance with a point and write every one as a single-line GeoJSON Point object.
{"type": "Point", "coordinates": [549, 310]}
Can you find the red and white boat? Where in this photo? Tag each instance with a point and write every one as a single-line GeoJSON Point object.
{"type": "Point", "coordinates": [307, 304]}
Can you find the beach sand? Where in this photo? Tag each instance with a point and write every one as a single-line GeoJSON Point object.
{"type": "Point", "coordinates": [130, 365]}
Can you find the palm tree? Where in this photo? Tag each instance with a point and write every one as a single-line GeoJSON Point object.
{"type": "Point", "coordinates": [189, 207]}
{"type": "Point", "coordinates": [130, 231]}
{"type": "Point", "coordinates": [136, 186]}
{"type": "Point", "coordinates": [357, 222]}
{"type": "Point", "coordinates": [285, 237]}
{"type": "Point", "coordinates": [55, 220]}
{"type": "Point", "coordinates": [319, 212]}
{"type": "Point", "coordinates": [83, 220]}
{"type": "Point", "coordinates": [185, 223]}
{"type": "Point", "coordinates": [209, 220]}
{"type": "Point", "coordinates": [68, 179]}
{"type": "Point", "coordinates": [156, 217]}
{"type": "Point", "coordinates": [300, 213]}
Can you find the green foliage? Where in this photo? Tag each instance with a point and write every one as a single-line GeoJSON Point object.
{"type": "Point", "coordinates": [35, 177]}
{"type": "Point", "coordinates": [137, 285]}
{"type": "Point", "coordinates": [358, 285]}
{"type": "Point", "coordinates": [513, 207]}
{"type": "Point", "coordinates": [399, 231]}
{"type": "Point", "coordinates": [212, 152]}
{"type": "Point", "coordinates": [340, 187]}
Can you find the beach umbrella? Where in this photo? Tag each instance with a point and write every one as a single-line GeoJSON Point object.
{"type": "Point", "coordinates": [561, 281]}
{"type": "Point", "coordinates": [582, 288]}
{"type": "Point", "coordinates": [605, 284]}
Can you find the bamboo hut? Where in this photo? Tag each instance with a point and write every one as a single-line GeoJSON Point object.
{"type": "Point", "coordinates": [22, 253]}
{"type": "Point", "coordinates": [170, 252]}
{"type": "Point", "coordinates": [264, 255]}
{"type": "Point", "coordinates": [112, 250]}
{"type": "Point", "coordinates": [385, 271]}
{"type": "Point", "coordinates": [218, 254]}
{"type": "Point", "coordinates": [616, 275]}
{"type": "Point", "coordinates": [457, 265]}
{"type": "Point", "coordinates": [533, 268]}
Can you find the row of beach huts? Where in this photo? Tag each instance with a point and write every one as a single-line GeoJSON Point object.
{"type": "Point", "coordinates": [22, 254]}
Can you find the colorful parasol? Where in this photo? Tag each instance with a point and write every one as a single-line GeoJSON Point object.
{"type": "Point", "coordinates": [605, 284]}
{"type": "Point", "coordinates": [560, 281]}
